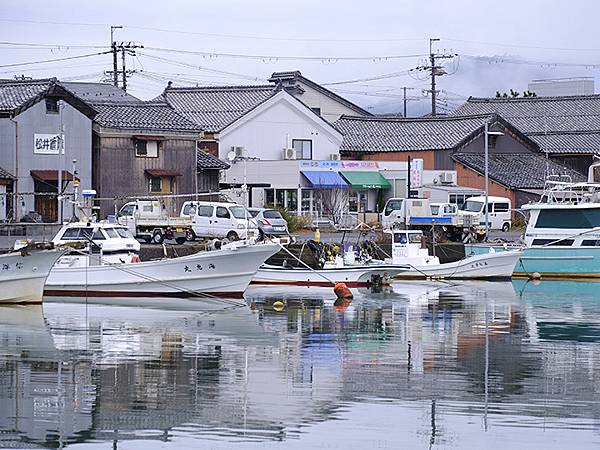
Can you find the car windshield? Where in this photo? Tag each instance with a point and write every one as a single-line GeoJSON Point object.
{"type": "Point", "coordinates": [472, 206]}
{"type": "Point", "coordinates": [239, 212]}
{"type": "Point", "coordinates": [272, 214]}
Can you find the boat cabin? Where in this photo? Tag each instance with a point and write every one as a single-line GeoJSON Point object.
{"type": "Point", "coordinates": [109, 243]}
{"type": "Point", "coordinates": [408, 247]}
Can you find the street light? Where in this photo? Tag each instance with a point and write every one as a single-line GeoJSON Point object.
{"type": "Point", "coordinates": [487, 133]}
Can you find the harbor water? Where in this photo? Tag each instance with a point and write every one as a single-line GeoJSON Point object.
{"type": "Point", "coordinates": [473, 365]}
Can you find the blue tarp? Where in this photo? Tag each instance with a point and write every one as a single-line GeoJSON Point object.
{"type": "Point", "coordinates": [325, 179]}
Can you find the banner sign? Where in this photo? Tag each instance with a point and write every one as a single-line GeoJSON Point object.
{"type": "Point", "coordinates": [416, 173]}
{"type": "Point", "coordinates": [48, 144]}
{"type": "Point", "coordinates": [364, 165]}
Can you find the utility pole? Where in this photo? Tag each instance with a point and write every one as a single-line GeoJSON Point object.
{"type": "Point", "coordinates": [123, 68]}
{"type": "Point", "coordinates": [113, 46]}
{"type": "Point", "coordinates": [404, 88]}
{"type": "Point", "coordinates": [435, 70]}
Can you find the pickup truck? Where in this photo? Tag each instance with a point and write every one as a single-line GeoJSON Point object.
{"type": "Point", "coordinates": [147, 219]}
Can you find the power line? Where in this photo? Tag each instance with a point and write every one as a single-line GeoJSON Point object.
{"type": "Point", "coordinates": [53, 60]}
{"type": "Point", "coordinates": [272, 58]}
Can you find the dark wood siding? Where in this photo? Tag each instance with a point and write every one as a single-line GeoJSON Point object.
{"type": "Point", "coordinates": [120, 173]}
{"type": "Point", "coordinates": [208, 181]}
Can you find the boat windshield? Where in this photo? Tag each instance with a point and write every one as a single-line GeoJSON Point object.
{"type": "Point", "coordinates": [111, 232]}
{"type": "Point", "coordinates": [239, 212]}
{"type": "Point", "coordinates": [435, 209]}
{"type": "Point", "coordinates": [472, 206]}
{"type": "Point", "coordinates": [124, 233]}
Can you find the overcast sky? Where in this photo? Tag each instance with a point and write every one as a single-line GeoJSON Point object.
{"type": "Point", "coordinates": [501, 45]}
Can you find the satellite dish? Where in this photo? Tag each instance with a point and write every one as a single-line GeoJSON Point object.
{"type": "Point", "coordinates": [231, 156]}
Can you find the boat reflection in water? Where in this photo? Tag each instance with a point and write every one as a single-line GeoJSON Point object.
{"type": "Point", "coordinates": [458, 365]}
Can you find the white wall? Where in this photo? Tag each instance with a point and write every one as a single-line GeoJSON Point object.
{"type": "Point", "coordinates": [331, 110]}
{"type": "Point", "coordinates": [266, 132]}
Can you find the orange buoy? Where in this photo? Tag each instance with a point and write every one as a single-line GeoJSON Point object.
{"type": "Point", "coordinates": [135, 259]}
{"type": "Point", "coordinates": [341, 304]}
{"type": "Point", "coordinates": [342, 291]}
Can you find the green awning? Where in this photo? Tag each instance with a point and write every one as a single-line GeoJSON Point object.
{"type": "Point", "coordinates": [366, 180]}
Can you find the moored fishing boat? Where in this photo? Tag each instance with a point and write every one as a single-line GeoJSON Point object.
{"type": "Point", "coordinates": [407, 249]}
{"type": "Point", "coordinates": [23, 273]}
{"type": "Point", "coordinates": [223, 272]}
{"type": "Point", "coordinates": [352, 276]}
{"type": "Point", "coordinates": [563, 232]}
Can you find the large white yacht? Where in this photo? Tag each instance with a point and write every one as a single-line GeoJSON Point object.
{"type": "Point", "coordinates": [563, 232]}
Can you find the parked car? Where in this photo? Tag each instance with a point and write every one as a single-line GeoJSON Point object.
{"type": "Point", "coordinates": [270, 222]}
{"type": "Point", "coordinates": [220, 220]}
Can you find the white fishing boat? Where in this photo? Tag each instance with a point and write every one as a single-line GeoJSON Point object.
{"type": "Point", "coordinates": [407, 249]}
{"type": "Point", "coordinates": [223, 272]}
{"type": "Point", "coordinates": [23, 273]}
{"type": "Point", "coordinates": [352, 276]}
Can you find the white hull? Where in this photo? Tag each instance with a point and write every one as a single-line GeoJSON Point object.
{"type": "Point", "coordinates": [22, 278]}
{"type": "Point", "coordinates": [352, 276]}
{"type": "Point", "coordinates": [220, 273]}
{"type": "Point", "coordinates": [498, 265]}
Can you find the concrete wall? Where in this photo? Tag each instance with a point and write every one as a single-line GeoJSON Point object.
{"type": "Point", "coordinates": [266, 135]}
{"type": "Point", "coordinates": [77, 130]}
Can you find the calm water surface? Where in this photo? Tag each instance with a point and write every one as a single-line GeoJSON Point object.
{"type": "Point", "coordinates": [425, 365]}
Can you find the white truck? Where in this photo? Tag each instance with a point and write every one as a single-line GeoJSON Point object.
{"type": "Point", "coordinates": [448, 221]}
{"type": "Point", "coordinates": [147, 219]}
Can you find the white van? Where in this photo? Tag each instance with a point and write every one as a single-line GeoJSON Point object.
{"type": "Point", "coordinates": [220, 220]}
{"type": "Point", "coordinates": [499, 211]}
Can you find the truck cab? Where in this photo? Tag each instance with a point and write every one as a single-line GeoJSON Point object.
{"type": "Point", "coordinates": [397, 211]}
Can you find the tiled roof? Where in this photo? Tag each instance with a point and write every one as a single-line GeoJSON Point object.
{"type": "Point", "coordinates": [4, 174]}
{"type": "Point", "coordinates": [208, 161]}
{"type": "Point", "coordinates": [385, 134]}
{"type": "Point", "coordinates": [215, 107]}
{"type": "Point", "coordinates": [516, 171]}
{"type": "Point", "coordinates": [557, 119]}
{"type": "Point", "coordinates": [296, 76]}
{"type": "Point", "coordinates": [99, 92]}
{"type": "Point", "coordinates": [149, 116]}
{"type": "Point", "coordinates": [14, 93]}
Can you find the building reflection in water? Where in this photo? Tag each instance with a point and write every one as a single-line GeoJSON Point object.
{"type": "Point", "coordinates": [76, 373]}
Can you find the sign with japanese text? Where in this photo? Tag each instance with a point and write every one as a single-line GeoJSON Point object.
{"type": "Point", "coordinates": [416, 173]}
{"type": "Point", "coordinates": [48, 144]}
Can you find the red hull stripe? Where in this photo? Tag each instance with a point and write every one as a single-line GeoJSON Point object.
{"type": "Point", "coordinates": [356, 284]}
{"type": "Point", "coordinates": [183, 294]}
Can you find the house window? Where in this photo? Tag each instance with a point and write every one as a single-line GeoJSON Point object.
{"type": "Point", "coordinates": [146, 149]}
{"type": "Point", "coordinates": [303, 148]}
{"type": "Point", "coordinates": [155, 184]}
{"type": "Point", "coordinates": [52, 106]}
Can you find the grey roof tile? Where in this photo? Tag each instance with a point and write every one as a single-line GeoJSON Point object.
{"type": "Point", "coordinates": [99, 92]}
{"type": "Point", "coordinates": [385, 134]}
{"type": "Point", "coordinates": [569, 124]}
{"type": "Point", "coordinates": [14, 93]}
{"type": "Point", "coordinates": [151, 116]}
{"type": "Point", "coordinates": [208, 161]}
{"type": "Point", "coordinates": [4, 174]}
{"type": "Point", "coordinates": [215, 107]}
{"type": "Point", "coordinates": [516, 171]}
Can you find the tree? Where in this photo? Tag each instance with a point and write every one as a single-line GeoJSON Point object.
{"type": "Point", "coordinates": [331, 202]}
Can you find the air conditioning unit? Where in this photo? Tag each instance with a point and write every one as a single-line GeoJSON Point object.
{"type": "Point", "coordinates": [334, 157]}
{"type": "Point", "coordinates": [289, 153]}
{"type": "Point", "coordinates": [239, 151]}
{"type": "Point", "coordinates": [447, 177]}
